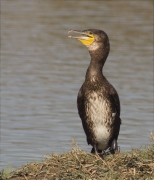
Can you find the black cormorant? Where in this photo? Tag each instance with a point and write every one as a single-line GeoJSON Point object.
{"type": "Point", "coordinates": [98, 102]}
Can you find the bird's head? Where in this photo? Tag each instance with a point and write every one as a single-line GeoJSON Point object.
{"type": "Point", "coordinates": [91, 38]}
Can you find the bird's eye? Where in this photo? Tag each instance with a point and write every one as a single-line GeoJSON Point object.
{"type": "Point", "coordinates": [90, 33]}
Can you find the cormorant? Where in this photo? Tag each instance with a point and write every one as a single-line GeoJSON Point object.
{"type": "Point", "coordinates": [98, 102]}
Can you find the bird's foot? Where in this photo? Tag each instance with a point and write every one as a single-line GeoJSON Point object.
{"type": "Point", "coordinates": [114, 147]}
{"type": "Point", "coordinates": [95, 150]}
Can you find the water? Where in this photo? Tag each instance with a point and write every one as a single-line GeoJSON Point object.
{"type": "Point", "coordinates": [42, 71]}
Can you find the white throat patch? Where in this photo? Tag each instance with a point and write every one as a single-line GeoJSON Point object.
{"type": "Point", "coordinates": [93, 46]}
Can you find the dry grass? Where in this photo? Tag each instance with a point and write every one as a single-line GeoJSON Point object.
{"type": "Point", "coordinates": [77, 164]}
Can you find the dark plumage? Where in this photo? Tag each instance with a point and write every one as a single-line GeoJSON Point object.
{"type": "Point", "coordinates": [98, 102]}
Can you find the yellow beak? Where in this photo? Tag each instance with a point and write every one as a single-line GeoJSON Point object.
{"type": "Point", "coordinates": [85, 37]}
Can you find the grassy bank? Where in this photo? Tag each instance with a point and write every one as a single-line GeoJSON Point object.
{"type": "Point", "coordinates": [77, 164]}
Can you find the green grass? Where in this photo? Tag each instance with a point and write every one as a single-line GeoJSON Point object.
{"type": "Point", "coordinates": [77, 164]}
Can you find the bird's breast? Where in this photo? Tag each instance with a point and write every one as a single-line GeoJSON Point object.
{"type": "Point", "coordinates": [100, 114]}
{"type": "Point", "coordinates": [98, 108]}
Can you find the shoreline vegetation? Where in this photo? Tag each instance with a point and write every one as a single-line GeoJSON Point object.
{"type": "Point", "coordinates": [77, 164]}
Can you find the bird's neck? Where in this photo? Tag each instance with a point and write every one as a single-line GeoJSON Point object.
{"type": "Point", "coordinates": [96, 65]}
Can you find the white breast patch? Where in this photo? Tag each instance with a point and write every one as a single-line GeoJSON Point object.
{"type": "Point", "coordinates": [99, 113]}
{"type": "Point", "coordinates": [102, 136]}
